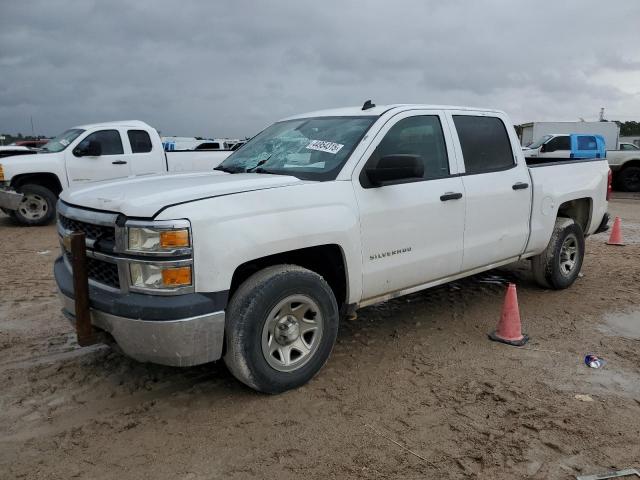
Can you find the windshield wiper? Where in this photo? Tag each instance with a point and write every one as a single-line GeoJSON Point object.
{"type": "Point", "coordinates": [257, 165]}
{"type": "Point", "coordinates": [220, 168]}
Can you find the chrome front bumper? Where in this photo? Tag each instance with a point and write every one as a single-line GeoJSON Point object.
{"type": "Point", "coordinates": [180, 343]}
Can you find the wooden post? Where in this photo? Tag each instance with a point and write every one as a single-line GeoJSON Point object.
{"type": "Point", "coordinates": [84, 329]}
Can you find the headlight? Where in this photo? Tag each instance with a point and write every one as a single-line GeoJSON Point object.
{"type": "Point", "coordinates": [158, 276]}
{"type": "Point", "coordinates": [164, 238]}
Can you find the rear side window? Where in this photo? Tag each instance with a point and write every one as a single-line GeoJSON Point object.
{"type": "Point", "coordinates": [109, 141]}
{"type": "Point", "coordinates": [587, 143]}
{"type": "Point", "coordinates": [139, 140]}
{"type": "Point", "coordinates": [422, 136]}
{"type": "Point", "coordinates": [485, 143]}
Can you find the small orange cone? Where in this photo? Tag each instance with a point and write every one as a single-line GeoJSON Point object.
{"type": "Point", "coordinates": [509, 330]}
{"type": "Point", "coordinates": [616, 233]}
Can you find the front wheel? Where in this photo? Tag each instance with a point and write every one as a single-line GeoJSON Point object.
{"type": "Point", "coordinates": [560, 263]}
{"type": "Point", "coordinates": [282, 323]}
{"type": "Point", "coordinates": [37, 207]}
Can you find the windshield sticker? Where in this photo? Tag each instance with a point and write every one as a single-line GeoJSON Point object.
{"type": "Point", "coordinates": [64, 142]}
{"type": "Point", "coordinates": [322, 146]}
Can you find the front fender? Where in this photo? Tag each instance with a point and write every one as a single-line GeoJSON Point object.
{"type": "Point", "coordinates": [231, 230]}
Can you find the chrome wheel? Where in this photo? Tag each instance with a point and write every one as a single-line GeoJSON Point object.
{"type": "Point", "coordinates": [292, 333]}
{"type": "Point", "coordinates": [569, 255]}
{"type": "Point", "coordinates": [33, 207]}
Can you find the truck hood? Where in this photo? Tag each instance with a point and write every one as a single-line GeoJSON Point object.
{"type": "Point", "coordinates": [145, 196]}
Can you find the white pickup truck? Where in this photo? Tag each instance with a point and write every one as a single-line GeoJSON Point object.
{"type": "Point", "coordinates": [624, 162]}
{"type": "Point", "coordinates": [318, 215]}
{"type": "Point", "coordinates": [30, 184]}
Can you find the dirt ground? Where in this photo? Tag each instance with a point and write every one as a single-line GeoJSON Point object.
{"type": "Point", "coordinates": [413, 388]}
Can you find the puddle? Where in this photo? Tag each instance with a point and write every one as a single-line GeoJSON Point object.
{"type": "Point", "coordinates": [622, 324]}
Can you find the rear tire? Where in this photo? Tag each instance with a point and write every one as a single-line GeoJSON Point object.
{"type": "Point", "coordinates": [38, 206]}
{"type": "Point", "coordinates": [629, 179]}
{"type": "Point", "coordinates": [282, 323]}
{"type": "Point", "coordinates": [560, 263]}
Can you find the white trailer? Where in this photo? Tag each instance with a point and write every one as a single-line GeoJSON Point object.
{"type": "Point", "coordinates": [534, 131]}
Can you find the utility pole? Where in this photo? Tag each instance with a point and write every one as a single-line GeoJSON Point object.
{"type": "Point", "coordinates": [602, 115]}
{"type": "Point", "coordinates": [33, 132]}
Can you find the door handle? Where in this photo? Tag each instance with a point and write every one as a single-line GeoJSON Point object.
{"type": "Point", "coordinates": [119, 162]}
{"type": "Point", "coordinates": [520, 186]}
{"type": "Point", "coordinates": [450, 196]}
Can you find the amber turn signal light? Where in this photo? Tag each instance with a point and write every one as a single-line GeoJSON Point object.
{"type": "Point", "coordinates": [176, 277]}
{"type": "Point", "coordinates": [174, 238]}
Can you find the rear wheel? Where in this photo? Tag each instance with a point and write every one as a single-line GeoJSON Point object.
{"type": "Point", "coordinates": [629, 179]}
{"type": "Point", "coordinates": [559, 265]}
{"type": "Point", "coordinates": [37, 207]}
{"type": "Point", "coordinates": [282, 323]}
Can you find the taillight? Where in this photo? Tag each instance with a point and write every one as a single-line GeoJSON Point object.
{"type": "Point", "coordinates": [609, 184]}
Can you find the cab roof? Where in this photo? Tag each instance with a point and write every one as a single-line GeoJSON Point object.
{"type": "Point", "coordinates": [120, 123]}
{"type": "Point", "coordinates": [380, 109]}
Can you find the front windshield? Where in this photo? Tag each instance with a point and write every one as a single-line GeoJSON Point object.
{"type": "Point", "coordinates": [309, 148]}
{"type": "Point", "coordinates": [62, 141]}
{"type": "Point", "coordinates": [539, 143]}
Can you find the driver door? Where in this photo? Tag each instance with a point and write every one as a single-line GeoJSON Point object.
{"type": "Point", "coordinates": [111, 163]}
{"type": "Point", "coordinates": [412, 231]}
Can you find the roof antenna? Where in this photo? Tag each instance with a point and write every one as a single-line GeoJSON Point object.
{"type": "Point", "coordinates": [367, 105]}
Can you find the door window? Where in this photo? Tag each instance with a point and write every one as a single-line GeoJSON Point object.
{"type": "Point", "coordinates": [558, 143]}
{"type": "Point", "coordinates": [485, 143]}
{"type": "Point", "coordinates": [140, 141]}
{"type": "Point", "coordinates": [208, 146]}
{"type": "Point", "coordinates": [419, 135]}
{"type": "Point", "coordinates": [109, 141]}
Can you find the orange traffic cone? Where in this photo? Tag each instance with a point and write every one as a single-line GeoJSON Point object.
{"type": "Point", "coordinates": [616, 233]}
{"type": "Point", "coordinates": [509, 330]}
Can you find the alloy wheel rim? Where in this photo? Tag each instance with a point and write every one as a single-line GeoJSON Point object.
{"type": "Point", "coordinates": [569, 255]}
{"type": "Point", "coordinates": [292, 332]}
{"type": "Point", "coordinates": [33, 207]}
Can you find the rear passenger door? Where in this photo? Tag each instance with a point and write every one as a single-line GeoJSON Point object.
{"type": "Point", "coordinates": [111, 163]}
{"type": "Point", "coordinates": [142, 157]}
{"type": "Point", "coordinates": [411, 231]}
{"type": "Point", "coordinates": [496, 188]}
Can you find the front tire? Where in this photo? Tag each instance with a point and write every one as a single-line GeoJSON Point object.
{"type": "Point", "coordinates": [560, 263]}
{"type": "Point", "coordinates": [282, 323]}
{"type": "Point", "coordinates": [37, 207]}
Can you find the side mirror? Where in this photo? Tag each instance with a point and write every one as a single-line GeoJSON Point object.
{"type": "Point", "coordinates": [396, 167]}
{"type": "Point", "coordinates": [88, 149]}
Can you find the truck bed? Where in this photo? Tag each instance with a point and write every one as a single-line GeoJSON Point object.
{"type": "Point", "coordinates": [557, 182]}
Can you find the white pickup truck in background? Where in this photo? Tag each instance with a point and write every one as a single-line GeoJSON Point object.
{"type": "Point", "coordinates": [624, 161]}
{"type": "Point", "coordinates": [30, 184]}
{"type": "Point", "coordinates": [318, 215]}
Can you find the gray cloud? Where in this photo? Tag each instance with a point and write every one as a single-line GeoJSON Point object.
{"type": "Point", "coordinates": [230, 68]}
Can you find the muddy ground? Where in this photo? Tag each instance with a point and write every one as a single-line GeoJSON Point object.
{"type": "Point", "coordinates": [413, 388]}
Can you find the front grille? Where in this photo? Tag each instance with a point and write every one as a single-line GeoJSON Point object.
{"type": "Point", "coordinates": [91, 230]}
{"type": "Point", "coordinates": [100, 271]}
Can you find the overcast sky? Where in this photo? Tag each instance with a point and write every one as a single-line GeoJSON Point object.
{"type": "Point", "coordinates": [231, 68]}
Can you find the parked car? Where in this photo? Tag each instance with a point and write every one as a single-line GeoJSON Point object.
{"type": "Point", "coordinates": [317, 216]}
{"type": "Point", "coordinates": [30, 185]}
{"type": "Point", "coordinates": [172, 144]}
{"type": "Point", "coordinates": [32, 143]}
{"type": "Point", "coordinates": [15, 150]}
{"type": "Point", "coordinates": [624, 162]}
